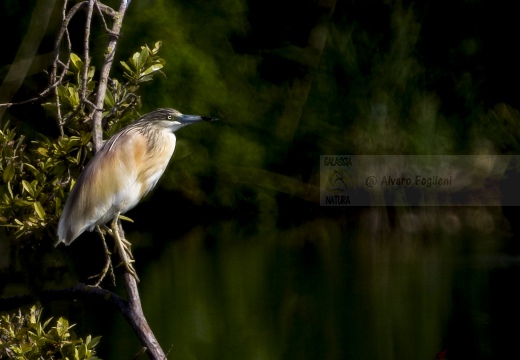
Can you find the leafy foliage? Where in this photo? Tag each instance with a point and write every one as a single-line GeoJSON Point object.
{"type": "Point", "coordinates": [120, 97]}
{"type": "Point", "coordinates": [142, 65]}
{"type": "Point", "coordinates": [35, 176]}
{"type": "Point", "coordinates": [25, 337]}
{"type": "Point", "coordinates": [32, 194]}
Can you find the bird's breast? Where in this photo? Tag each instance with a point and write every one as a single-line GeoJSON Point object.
{"type": "Point", "coordinates": [153, 162]}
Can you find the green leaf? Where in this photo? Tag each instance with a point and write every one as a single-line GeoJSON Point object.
{"type": "Point", "coordinates": [42, 151]}
{"type": "Point", "coordinates": [125, 65]}
{"type": "Point", "coordinates": [10, 189]}
{"type": "Point", "coordinates": [58, 205]}
{"type": "Point", "coordinates": [28, 187]}
{"type": "Point", "coordinates": [33, 169]}
{"type": "Point", "coordinates": [152, 69]}
{"type": "Point", "coordinates": [143, 57]}
{"type": "Point", "coordinates": [47, 323]}
{"type": "Point", "coordinates": [8, 172]}
{"type": "Point", "coordinates": [39, 210]}
{"type": "Point", "coordinates": [49, 106]}
{"type": "Point", "coordinates": [33, 314]}
{"type": "Point", "coordinates": [145, 78]}
{"type": "Point", "coordinates": [76, 61]}
{"type": "Point", "coordinates": [62, 91]}
{"type": "Point", "coordinates": [93, 342]}
{"type": "Point", "coordinates": [80, 354]}
{"type": "Point", "coordinates": [109, 98]}
{"type": "Point", "coordinates": [157, 46]}
{"type": "Point", "coordinates": [91, 85]}
{"type": "Point", "coordinates": [91, 72]}
{"type": "Point", "coordinates": [62, 327]}
{"type": "Point", "coordinates": [135, 60]}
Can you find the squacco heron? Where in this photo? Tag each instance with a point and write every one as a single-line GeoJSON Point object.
{"type": "Point", "coordinates": [124, 170]}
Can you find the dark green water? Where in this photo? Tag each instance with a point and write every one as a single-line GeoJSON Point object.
{"type": "Point", "coordinates": [402, 285]}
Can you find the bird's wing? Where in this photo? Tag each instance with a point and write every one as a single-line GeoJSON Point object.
{"type": "Point", "coordinates": [105, 186]}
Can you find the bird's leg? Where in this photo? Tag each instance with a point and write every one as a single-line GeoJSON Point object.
{"type": "Point", "coordinates": [105, 229]}
{"type": "Point", "coordinates": [126, 242]}
{"type": "Point", "coordinates": [108, 262]}
{"type": "Point", "coordinates": [123, 248]}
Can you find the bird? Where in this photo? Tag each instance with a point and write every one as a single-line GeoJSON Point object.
{"type": "Point", "coordinates": [121, 173]}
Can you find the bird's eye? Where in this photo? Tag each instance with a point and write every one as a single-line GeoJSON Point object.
{"type": "Point", "coordinates": [169, 117]}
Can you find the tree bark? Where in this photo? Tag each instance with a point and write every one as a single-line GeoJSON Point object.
{"type": "Point", "coordinates": [97, 129]}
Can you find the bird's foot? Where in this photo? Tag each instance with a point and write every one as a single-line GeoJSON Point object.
{"type": "Point", "coordinates": [128, 266]}
{"type": "Point", "coordinates": [101, 276]}
{"type": "Point", "coordinates": [108, 264]}
{"type": "Point", "coordinates": [123, 248]}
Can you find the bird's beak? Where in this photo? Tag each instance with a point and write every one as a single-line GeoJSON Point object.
{"type": "Point", "coordinates": [208, 118]}
{"type": "Point", "coordinates": [190, 119]}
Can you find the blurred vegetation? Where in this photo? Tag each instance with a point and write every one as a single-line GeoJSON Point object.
{"type": "Point", "coordinates": [241, 264]}
{"type": "Point", "coordinates": [23, 336]}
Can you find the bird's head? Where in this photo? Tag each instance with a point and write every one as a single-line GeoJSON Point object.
{"type": "Point", "coordinates": [172, 119]}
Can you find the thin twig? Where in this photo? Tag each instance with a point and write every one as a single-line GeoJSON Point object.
{"type": "Point", "coordinates": [117, 104]}
{"type": "Point", "coordinates": [38, 97]}
{"type": "Point", "coordinates": [86, 56]}
{"type": "Point", "coordinates": [63, 31]}
{"type": "Point", "coordinates": [71, 114]}
{"type": "Point", "coordinates": [56, 80]}
{"type": "Point", "coordinates": [102, 17]}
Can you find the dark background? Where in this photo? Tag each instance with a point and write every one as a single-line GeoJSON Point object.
{"type": "Point", "coordinates": [236, 266]}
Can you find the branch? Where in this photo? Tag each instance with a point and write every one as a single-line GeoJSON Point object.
{"type": "Point", "coordinates": [86, 45]}
{"type": "Point", "coordinates": [80, 291]}
{"type": "Point", "coordinates": [101, 11]}
{"type": "Point", "coordinates": [37, 98]}
{"type": "Point", "coordinates": [63, 30]}
{"type": "Point", "coordinates": [135, 316]}
{"type": "Point", "coordinates": [97, 129]}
